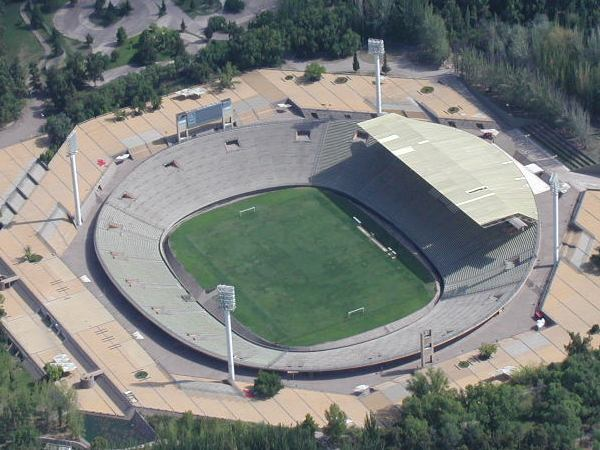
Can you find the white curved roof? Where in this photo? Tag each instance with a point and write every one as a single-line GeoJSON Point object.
{"type": "Point", "coordinates": [477, 177]}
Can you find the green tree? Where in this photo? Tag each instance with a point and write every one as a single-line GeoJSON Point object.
{"type": "Point", "coordinates": [578, 344]}
{"type": "Point", "coordinates": [121, 36]}
{"type": "Point", "coordinates": [35, 81]}
{"type": "Point", "coordinates": [58, 128]}
{"type": "Point", "coordinates": [336, 423]}
{"type": "Point", "coordinates": [313, 72]}
{"type": "Point", "coordinates": [100, 443]}
{"type": "Point", "coordinates": [162, 9]}
{"type": "Point", "coordinates": [309, 424]}
{"type": "Point", "coordinates": [267, 384]}
{"type": "Point", "coordinates": [53, 372]}
{"type": "Point", "coordinates": [99, 6]}
{"type": "Point", "coordinates": [486, 351]}
{"type": "Point", "coordinates": [96, 64]}
{"type": "Point", "coordinates": [385, 68]}
{"type": "Point", "coordinates": [55, 42]}
{"type": "Point", "coordinates": [234, 6]}
{"type": "Point", "coordinates": [225, 80]}
{"type": "Point", "coordinates": [355, 63]}
{"type": "Point", "coordinates": [2, 310]}
{"type": "Point", "coordinates": [37, 18]}
{"type": "Point", "coordinates": [182, 27]}
{"type": "Point", "coordinates": [89, 40]}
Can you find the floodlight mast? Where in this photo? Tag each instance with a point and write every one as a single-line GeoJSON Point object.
{"type": "Point", "coordinates": [227, 301]}
{"type": "Point", "coordinates": [73, 148]}
{"type": "Point", "coordinates": [377, 49]}
{"type": "Point", "coordinates": [555, 188]}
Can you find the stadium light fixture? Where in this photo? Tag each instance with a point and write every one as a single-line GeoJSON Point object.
{"type": "Point", "coordinates": [227, 303]}
{"type": "Point", "coordinates": [73, 149]}
{"type": "Point", "coordinates": [377, 49]}
{"type": "Point", "coordinates": [555, 188]}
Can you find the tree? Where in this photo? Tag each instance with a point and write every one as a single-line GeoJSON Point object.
{"type": "Point", "coordinates": [100, 443]}
{"type": "Point", "coordinates": [192, 5]}
{"type": "Point", "coordinates": [96, 64]}
{"type": "Point", "coordinates": [99, 6]}
{"type": "Point", "coordinates": [37, 18]}
{"type": "Point", "coordinates": [355, 63]}
{"type": "Point", "coordinates": [89, 40]}
{"type": "Point", "coordinates": [2, 310]}
{"type": "Point", "coordinates": [267, 384]}
{"type": "Point", "coordinates": [55, 42]}
{"type": "Point", "coordinates": [233, 6]}
{"type": "Point", "coordinates": [121, 36]}
{"type": "Point", "coordinates": [53, 372]}
{"type": "Point", "coordinates": [226, 75]}
{"type": "Point", "coordinates": [385, 68]}
{"type": "Point", "coordinates": [309, 424]}
{"type": "Point", "coordinates": [313, 72]}
{"type": "Point", "coordinates": [578, 344]}
{"type": "Point", "coordinates": [58, 128]}
{"type": "Point", "coordinates": [486, 351]}
{"type": "Point", "coordinates": [162, 9]}
{"type": "Point", "coordinates": [35, 81]}
{"type": "Point", "coordinates": [182, 27]}
{"type": "Point", "coordinates": [336, 423]}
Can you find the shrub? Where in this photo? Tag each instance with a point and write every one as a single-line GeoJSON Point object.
{"type": "Point", "coordinates": [336, 422]}
{"type": "Point", "coordinates": [427, 89]}
{"type": "Point", "coordinates": [486, 351]}
{"type": "Point", "coordinates": [53, 372]}
{"type": "Point", "coordinates": [595, 329]}
{"type": "Point", "coordinates": [464, 364]}
{"type": "Point", "coordinates": [141, 375]}
{"type": "Point", "coordinates": [234, 6]}
{"type": "Point", "coordinates": [2, 311]}
{"type": "Point", "coordinates": [313, 72]}
{"type": "Point", "coordinates": [453, 109]}
{"type": "Point", "coordinates": [31, 257]}
{"type": "Point", "coordinates": [341, 80]}
{"type": "Point", "coordinates": [267, 384]}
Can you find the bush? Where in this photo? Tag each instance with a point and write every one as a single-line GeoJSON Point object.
{"type": "Point", "coordinates": [595, 329]}
{"type": "Point", "coordinates": [53, 372]}
{"type": "Point", "coordinates": [464, 364]}
{"type": "Point", "coordinates": [2, 311]}
{"type": "Point", "coordinates": [234, 6]}
{"type": "Point", "coordinates": [453, 109]}
{"type": "Point", "coordinates": [141, 375]}
{"type": "Point", "coordinates": [486, 351]}
{"type": "Point", "coordinates": [31, 257]}
{"type": "Point", "coordinates": [426, 89]}
{"type": "Point", "coordinates": [314, 72]}
{"type": "Point", "coordinates": [267, 384]}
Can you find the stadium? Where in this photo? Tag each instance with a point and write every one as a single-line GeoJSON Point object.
{"type": "Point", "coordinates": [451, 217]}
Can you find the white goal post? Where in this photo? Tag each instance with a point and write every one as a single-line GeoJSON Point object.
{"type": "Point", "coordinates": [355, 311]}
{"type": "Point", "coordinates": [252, 209]}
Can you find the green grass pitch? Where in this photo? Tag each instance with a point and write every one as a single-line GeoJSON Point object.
{"type": "Point", "coordinates": [299, 264]}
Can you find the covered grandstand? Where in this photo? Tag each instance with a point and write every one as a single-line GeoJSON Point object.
{"type": "Point", "coordinates": [480, 267]}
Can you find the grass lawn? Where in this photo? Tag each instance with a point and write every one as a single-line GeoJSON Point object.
{"type": "Point", "coordinates": [18, 41]}
{"type": "Point", "coordinates": [299, 264]}
{"type": "Point", "coordinates": [126, 52]}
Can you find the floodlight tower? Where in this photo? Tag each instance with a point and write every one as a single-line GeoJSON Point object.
{"type": "Point", "coordinates": [377, 49]}
{"type": "Point", "coordinates": [227, 300]}
{"type": "Point", "coordinates": [555, 187]}
{"type": "Point", "coordinates": [73, 148]}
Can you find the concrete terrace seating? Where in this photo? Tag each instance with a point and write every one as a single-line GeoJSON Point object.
{"type": "Point", "coordinates": [470, 260]}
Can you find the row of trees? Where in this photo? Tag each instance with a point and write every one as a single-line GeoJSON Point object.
{"type": "Point", "coordinates": [13, 90]}
{"type": "Point", "coordinates": [29, 409]}
{"type": "Point", "coordinates": [553, 407]}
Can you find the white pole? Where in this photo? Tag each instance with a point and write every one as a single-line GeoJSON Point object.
{"type": "Point", "coordinates": [554, 184]}
{"type": "Point", "coordinates": [78, 220]}
{"type": "Point", "coordinates": [378, 81]}
{"type": "Point", "coordinates": [229, 346]}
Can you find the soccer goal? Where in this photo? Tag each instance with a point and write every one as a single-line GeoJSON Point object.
{"type": "Point", "coordinates": [250, 210]}
{"type": "Point", "coordinates": [360, 310]}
